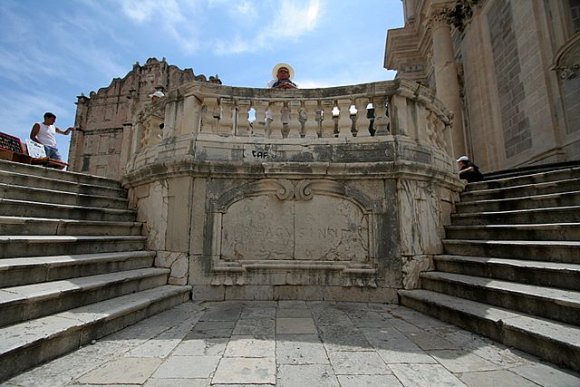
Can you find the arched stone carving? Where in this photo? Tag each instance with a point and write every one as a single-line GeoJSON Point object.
{"type": "Point", "coordinates": [311, 232]}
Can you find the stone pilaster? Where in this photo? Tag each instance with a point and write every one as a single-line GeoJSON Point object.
{"type": "Point", "coordinates": [447, 84]}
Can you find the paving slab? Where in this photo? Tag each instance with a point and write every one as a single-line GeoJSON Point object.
{"type": "Point", "coordinates": [547, 375]}
{"type": "Point", "coordinates": [258, 313]}
{"type": "Point", "coordinates": [127, 370]}
{"type": "Point", "coordinates": [425, 375]}
{"type": "Point", "coordinates": [368, 381]}
{"type": "Point", "coordinates": [294, 343]}
{"type": "Point", "coordinates": [259, 328]}
{"type": "Point", "coordinates": [243, 346]}
{"type": "Point", "coordinates": [320, 375]}
{"type": "Point", "coordinates": [300, 349]}
{"type": "Point", "coordinates": [187, 367]}
{"type": "Point", "coordinates": [358, 363]}
{"type": "Point", "coordinates": [201, 347]}
{"type": "Point", "coordinates": [245, 371]}
{"type": "Point", "coordinates": [296, 313]}
{"type": "Point", "coordinates": [497, 378]}
{"type": "Point", "coordinates": [459, 361]}
{"type": "Point", "coordinates": [295, 326]}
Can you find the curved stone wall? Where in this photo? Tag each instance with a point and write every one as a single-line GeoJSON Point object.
{"type": "Point", "coordinates": [303, 201]}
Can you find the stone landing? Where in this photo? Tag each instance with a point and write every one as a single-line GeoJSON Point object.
{"type": "Point", "coordinates": [295, 343]}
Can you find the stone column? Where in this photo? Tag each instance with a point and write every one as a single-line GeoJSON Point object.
{"type": "Point", "coordinates": [409, 8]}
{"type": "Point", "coordinates": [446, 81]}
{"type": "Point", "coordinates": [76, 146]}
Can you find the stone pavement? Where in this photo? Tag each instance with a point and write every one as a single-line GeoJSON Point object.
{"type": "Point", "coordinates": [294, 343]}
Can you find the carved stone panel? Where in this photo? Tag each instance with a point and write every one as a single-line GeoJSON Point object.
{"type": "Point", "coordinates": [259, 228]}
{"type": "Point", "coordinates": [330, 229]}
{"type": "Point", "coordinates": [301, 228]}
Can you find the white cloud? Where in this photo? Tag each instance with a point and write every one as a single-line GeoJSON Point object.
{"type": "Point", "coordinates": [245, 10]}
{"type": "Point", "coordinates": [15, 107]}
{"type": "Point", "coordinates": [291, 20]}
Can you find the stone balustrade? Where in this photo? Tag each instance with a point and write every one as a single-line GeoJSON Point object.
{"type": "Point", "coordinates": [337, 194]}
{"type": "Point", "coordinates": [212, 111]}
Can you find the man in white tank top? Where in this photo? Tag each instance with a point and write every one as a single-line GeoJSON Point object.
{"type": "Point", "coordinates": [44, 133]}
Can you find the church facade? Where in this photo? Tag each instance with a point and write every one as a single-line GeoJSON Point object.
{"type": "Point", "coordinates": [508, 70]}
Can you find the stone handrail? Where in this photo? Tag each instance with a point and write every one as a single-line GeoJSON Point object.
{"type": "Point", "coordinates": [374, 109]}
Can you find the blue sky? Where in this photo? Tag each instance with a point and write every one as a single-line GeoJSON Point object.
{"type": "Point", "coordinates": [52, 51]}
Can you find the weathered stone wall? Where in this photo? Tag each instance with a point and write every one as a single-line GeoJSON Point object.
{"type": "Point", "coordinates": [518, 108]}
{"type": "Point", "coordinates": [240, 211]}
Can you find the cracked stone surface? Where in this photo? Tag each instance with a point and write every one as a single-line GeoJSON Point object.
{"type": "Point", "coordinates": [294, 343]}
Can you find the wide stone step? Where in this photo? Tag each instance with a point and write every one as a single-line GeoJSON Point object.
{"type": "Point", "coordinates": [15, 225]}
{"type": "Point", "coordinates": [29, 270]}
{"type": "Point", "coordinates": [31, 343]}
{"type": "Point", "coordinates": [570, 214]}
{"type": "Point", "coordinates": [472, 193]}
{"type": "Point", "coordinates": [552, 232]}
{"type": "Point", "coordinates": [11, 207]}
{"type": "Point", "coordinates": [556, 304]}
{"type": "Point", "coordinates": [32, 246]}
{"type": "Point", "coordinates": [21, 303]}
{"type": "Point", "coordinates": [54, 174]}
{"type": "Point", "coordinates": [11, 178]}
{"type": "Point", "coordinates": [550, 340]}
{"type": "Point", "coordinates": [563, 199]}
{"type": "Point", "coordinates": [549, 274]}
{"type": "Point", "coordinates": [550, 251]}
{"type": "Point", "coordinates": [526, 179]}
{"type": "Point", "coordinates": [10, 191]}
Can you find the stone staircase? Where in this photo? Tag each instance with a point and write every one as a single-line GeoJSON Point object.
{"type": "Point", "coordinates": [511, 264]}
{"type": "Point", "coordinates": [73, 265]}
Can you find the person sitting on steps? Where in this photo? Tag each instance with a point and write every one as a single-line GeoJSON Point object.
{"type": "Point", "coordinates": [468, 171]}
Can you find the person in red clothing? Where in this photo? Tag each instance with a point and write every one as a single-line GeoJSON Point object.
{"type": "Point", "coordinates": [283, 73]}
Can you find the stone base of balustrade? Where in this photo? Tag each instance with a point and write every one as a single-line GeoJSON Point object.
{"type": "Point", "coordinates": [313, 219]}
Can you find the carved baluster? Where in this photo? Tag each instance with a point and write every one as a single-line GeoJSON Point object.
{"type": "Point", "coordinates": [285, 119]}
{"type": "Point", "coordinates": [275, 109]}
{"type": "Point", "coordinates": [252, 118]}
{"type": "Point", "coordinates": [319, 118]}
{"type": "Point", "coordinates": [243, 123]}
{"type": "Point", "coordinates": [294, 120]}
{"type": "Point", "coordinates": [260, 123]}
{"type": "Point", "coordinates": [353, 111]}
{"type": "Point", "coordinates": [327, 118]}
{"type": "Point", "coordinates": [302, 118]}
{"type": "Point", "coordinates": [361, 119]}
{"type": "Point", "coordinates": [371, 118]}
{"type": "Point", "coordinates": [335, 118]}
{"type": "Point", "coordinates": [344, 121]}
{"type": "Point", "coordinates": [311, 124]}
